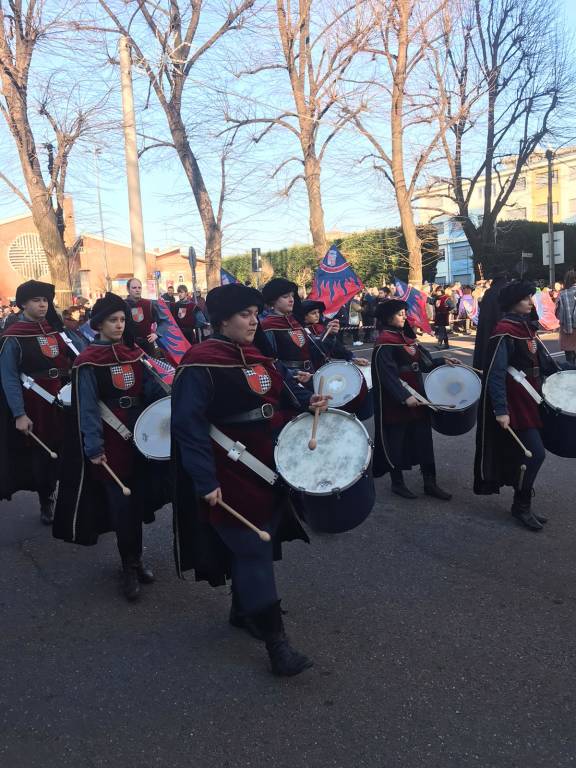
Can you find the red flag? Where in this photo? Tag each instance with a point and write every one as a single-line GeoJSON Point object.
{"type": "Point", "coordinates": [172, 341]}
{"type": "Point", "coordinates": [335, 282]}
{"type": "Point", "coordinates": [416, 301]}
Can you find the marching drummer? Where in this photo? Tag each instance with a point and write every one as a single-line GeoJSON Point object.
{"type": "Point", "coordinates": [229, 383]}
{"type": "Point", "coordinates": [325, 334]}
{"type": "Point", "coordinates": [189, 316]}
{"type": "Point", "coordinates": [145, 313]}
{"type": "Point", "coordinates": [36, 348]}
{"type": "Point", "coordinates": [403, 435]}
{"type": "Point", "coordinates": [508, 403]}
{"type": "Point", "coordinates": [110, 388]}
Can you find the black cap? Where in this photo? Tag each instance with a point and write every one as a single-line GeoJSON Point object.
{"type": "Point", "coordinates": [226, 300]}
{"type": "Point", "coordinates": [385, 310]}
{"type": "Point", "coordinates": [309, 306]}
{"type": "Point", "coordinates": [106, 306]}
{"type": "Point", "coordinates": [514, 292]}
{"type": "Point", "coordinates": [278, 287]}
{"type": "Point", "coordinates": [32, 289]}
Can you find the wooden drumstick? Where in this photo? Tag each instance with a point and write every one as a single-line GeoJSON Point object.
{"type": "Point", "coordinates": [527, 453]}
{"type": "Point", "coordinates": [263, 535]}
{"type": "Point", "coordinates": [312, 443]}
{"type": "Point", "coordinates": [471, 368]}
{"type": "Point", "coordinates": [521, 478]}
{"type": "Point", "coordinates": [53, 455]}
{"type": "Point", "coordinates": [126, 491]}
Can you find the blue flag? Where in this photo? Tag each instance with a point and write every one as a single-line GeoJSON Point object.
{"type": "Point", "coordinates": [416, 301]}
{"type": "Point", "coordinates": [335, 282]}
{"type": "Point", "coordinates": [227, 278]}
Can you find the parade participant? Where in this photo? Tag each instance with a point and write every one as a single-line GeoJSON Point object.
{"type": "Point", "coordinates": [403, 434]}
{"type": "Point", "coordinates": [227, 382]}
{"type": "Point", "coordinates": [169, 297]}
{"type": "Point", "coordinates": [144, 313]}
{"type": "Point", "coordinates": [188, 316]}
{"type": "Point", "coordinates": [489, 313]}
{"type": "Point", "coordinates": [33, 346]}
{"type": "Point", "coordinates": [325, 334]}
{"type": "Point", "coordinates": [90, 502]}
{"type": "Point", "coordinates": [443, 306]}
{"type": "Point", "coordinates": [505, 403]}
{"type": "Point", "coordinates": [284, 332]}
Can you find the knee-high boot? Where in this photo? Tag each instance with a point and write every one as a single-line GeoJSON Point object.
{"type": "Point", "coordinates": [285, 661]}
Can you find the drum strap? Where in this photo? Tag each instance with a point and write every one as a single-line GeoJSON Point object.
{"type": "Point", "coordinates": [113, 421]}
{"type": "Point", "coordinates": [417, 395]}
{"type": "Point", "coordinates": [237, 452]}
{"type": "Point", "coordinates": [29, 383]}
{"type": "Point", "coordinates": [520, 377]}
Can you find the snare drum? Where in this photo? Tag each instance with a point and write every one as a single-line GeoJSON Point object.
{"type": "Point", "coordinates": [457, 386]}
{"type": "Point", "coordinates": [65, 396]}
{"type": "Point", "coordinates": [347, 386]}
{"type": "Point", "coordinates": [152, 430]}
{"type": "Point", "coordinates": [559, 414]}
{"type": "Point", "coordinates": [335, 489]}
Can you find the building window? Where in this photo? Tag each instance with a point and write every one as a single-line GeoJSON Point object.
{"type": "Point", "coordinates": [513, 214]}
{"type": "Point", "coordinates": [439, 227]}
{"type": "Point", "coordinates": [521, 183]}
{"type": "Point", "coordinates": [542, 178]}
{"type": "Point", "coordinates": [27, 256]}
{"type": "Point", "coordinates": [456, 226]}
{"type": "Point", "coordinates": [542, 211]}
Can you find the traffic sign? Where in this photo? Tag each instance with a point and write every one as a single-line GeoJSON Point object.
{"type": "Point", "coordinates": [558, 248]}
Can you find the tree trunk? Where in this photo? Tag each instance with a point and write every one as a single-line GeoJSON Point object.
{"type": "Point", "coordinates": [312, 178]}
{"type": "Point", "coordinates": [413, 242]}
{"type": "Point", "coordinates": [212, 232]}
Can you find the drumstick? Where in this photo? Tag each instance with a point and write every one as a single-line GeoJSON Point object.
{"type": "Point", "coordinates": [527, 453]}
{"type": "Point", "coordinates": [312, 443]}
{"type": "Point", "coordinates": [521, 479]}
{"type": "Point", "coordinates": [48, 450]}
{"type": "Point", "coordinates": [126, 491]}
{"type": "Point", "coordinates": [325, 335]}
{"type": "Point", "coordinates": [263, 535]}
{"type": "Point", "coordinates": [471, 368]}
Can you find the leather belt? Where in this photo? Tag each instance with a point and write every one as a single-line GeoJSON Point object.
{"type": "Point", "coordinates": [533, 372]}
{"type": "Point", "coordinates": [50, 373]}
{"type": "Point", "coordinates": [124, 402]}
{"type": "Point", "coordinates": [303, 365]}
{"type": "Point", "coordinates": [265, 412]}
{"type": "Point", "coordinates": [412, 368]}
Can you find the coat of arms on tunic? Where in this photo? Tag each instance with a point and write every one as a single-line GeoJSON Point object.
{"type": "Point", "coordinates": [258, 379]}
{"type": "Point", "coordinates": [297, 337]}
{"type": "Point", "coordinates": [49, 346]}
{"type": "Point", "coordinates": [123, 376]}
{"type": "Point", "coordinates": [137, 314]}
{"type": "Point", "coordinates": [182, 312]}
{"type": "Point", "coordinates": [532, 346]}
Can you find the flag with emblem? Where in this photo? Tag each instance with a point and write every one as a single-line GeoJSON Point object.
{"type": "Point", "coordinates": [546, 311]}
{"type": "Point", "coordinates": [335, 282]}
{"type": "Point", "coordinates": [227, 278]}
{"type": "Point", "coordinates": [162, 368]}
{"type": "Point", "coordinates": [123, 376]}
{"type": "Point", "coordinates": [258, 379]}
{"type": "Point", "coordinates": [416, 301]}
{"type": "Point", "coordinates": [172, 340]}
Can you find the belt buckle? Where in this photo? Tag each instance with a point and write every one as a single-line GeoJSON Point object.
{"type": "Point", "coordinates": [267, 410]}
{"type": "Point", "coordinates": [53, 373]}
{"type": "Point", "coordinates": [415, 367]}
{"type": "Point", "coordinates": [307, 365]}
{"type": "Point", "coordinates": [125, 401]}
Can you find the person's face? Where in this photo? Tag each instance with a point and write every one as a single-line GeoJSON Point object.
{"type": "Point", "coordinates": [242, 326]}
{"type": "Point", "coordinates": [284, 304]}
{"type": "Point", "coordinates": [312, 317]}
{"type": "Point", "coordinates": [36, 308]}
{"type": "Point", "coordinates": [182, 295]}
{"type": "Point", "coordinates": [170, 290]}
{"type": "Point", "coordinates": [382, 294]}
{"type": "Point", "coordinates": [398, 319]}
{"type": "Point", "coordinates": [135, 289]}
{"type": "Point", "coordinates": [523, 307]}
{"type": "Point", "coordinates": [112, 327]}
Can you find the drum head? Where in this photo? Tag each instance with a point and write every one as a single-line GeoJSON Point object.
{"type": "Point", "coordinates": [458, 386]}
{"type": "Point", "coordinates": [342, 380]}
{"type": "Point", "coordinates": [152, 430]}
{"type": "Point", "coordinates": [559, 390]}
{"type": "Point", "coordinates": [65, 395]}
{"type": "Point", "coordinates": [341, 457]}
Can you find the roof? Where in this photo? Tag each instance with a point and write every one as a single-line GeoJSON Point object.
{"type": "Point", "coordinates": [16, 218]}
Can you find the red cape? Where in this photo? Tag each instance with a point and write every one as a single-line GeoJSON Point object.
{"type": "Point", "coordinates": [223, 353]}
{"type": "Point", "coordinates": [279, 323]}
{"type": "Point", "coordinates": [27, 328]}
{"type": "Point", "coordinates": [109, 354]}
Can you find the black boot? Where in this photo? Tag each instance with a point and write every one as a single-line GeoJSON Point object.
{"type": "Point", "coordinates": [431, 488]}
{"type": "Point", "coordinates": [239, 620]}
{"type": "Point", "coordinates": [522, 512]}
{"type": "Point", "coordinates": [47, 504]}
{"type": "Point", "coordinates": [144, 573]}
{"type": "Point", "coordinates": [399, 487]}
{"type": "Point", "coordinates": [285, 661]}
{"type": "Point", "coordinates": [130, 583]}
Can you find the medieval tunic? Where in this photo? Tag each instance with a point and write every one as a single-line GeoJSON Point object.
{"type": "Point", "coordinates": [144, 313]}
{"type": "Point", "coordinates": [513, 343]}
{"type": "Point", "coordinates": [37, 350]}
{"type": "Point", "coordinates": [403, 436]}
{"type": "Point", "coordinates": [331, 347]}
{"type": "Point", "coordinates": [290, 343]}
{"type": "Point", "coordinates": [89, 502]}
{"type": "Point", "coordinates": [216, 382]}
{"type": "Point", "coordinates": [190, 319]}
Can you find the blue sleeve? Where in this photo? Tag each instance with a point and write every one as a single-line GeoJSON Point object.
{"type": "Point", "coordinates": [299, 395]}
{"type": "Point", "coordinates": [89, 410]}
{"type": "Point", "coordinates": [497, 379]}
{"type": "Point", "coordinates": [10, 375]}
{"type": "Point", "coordinates": [200, 318]}
{"type": "Point", "coordinates": [389, 375]}
{"type": "Point", "coordinates": [191, 396]}
{"type": "Point", "coordinates": [152, 389]}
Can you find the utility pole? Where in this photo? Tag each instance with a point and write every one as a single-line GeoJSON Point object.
{"type": "Point", "coordinates": [552, 278]}
{"type": "Point", "coordinates": [107, 271]}
{"type": "Point", "coordinates": [132, 172]}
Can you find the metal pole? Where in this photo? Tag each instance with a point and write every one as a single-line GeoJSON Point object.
{"type": "Point", "coordinates": [132, 172]}
{"type": "Point", "coordinates": [107, 275]}
{"type": "Point", "coordinates": [552, 278]}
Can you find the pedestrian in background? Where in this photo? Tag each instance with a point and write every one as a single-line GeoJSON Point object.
{"type": "Point", "coordinates": [566, 314]}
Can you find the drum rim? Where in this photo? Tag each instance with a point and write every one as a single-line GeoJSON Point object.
{"type": "Point", "coordinates": [316, 381]}
{"type": "Point", "coordinates": [134, 431]}
{"type": "Point", "coordinates": [446, 409]}
{"type": "Point", "coordinates": [556, 408]}
{"type": "Point", "coordinates": [67, 387]}
{"type": "Point", "coordinates": [344, 487]}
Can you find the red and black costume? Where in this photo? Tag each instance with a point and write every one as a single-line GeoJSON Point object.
{"type": "Point", "coordinates": [290, 343]}
{"type": "Point", "coordinates": [190, 319]}
{"type": "Point", "coordinates": [144, 314]}
{"type": "Point", "coordinates": [443, 306]}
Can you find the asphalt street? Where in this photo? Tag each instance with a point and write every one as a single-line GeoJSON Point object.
{"type": "Point", "coordinates": [443, 636]}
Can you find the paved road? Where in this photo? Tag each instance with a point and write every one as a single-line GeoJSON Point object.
{"type": "Point", "coordinates": [443, 635]}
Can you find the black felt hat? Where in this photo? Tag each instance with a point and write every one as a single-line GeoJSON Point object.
{"type": "Point", "coordinates": [33, 289]}
{"type": "Point", "coordinates": [278, 287]}
{"type": "Point", "coordinates": [514, 292]}
{"type": "Point", "coordinates": [226, 300]}
{"type": "Point", "coordinates": [385, 310]}
{"type": "Point", "coordinates": [106, 306]}
{"type": "Point", "coordinates": [309, 306]}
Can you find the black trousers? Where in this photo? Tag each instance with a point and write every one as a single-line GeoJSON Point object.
{"type": "Point", "coordinates": [125, 521]}
{"type": "Point", "coordinates": [533, 441]}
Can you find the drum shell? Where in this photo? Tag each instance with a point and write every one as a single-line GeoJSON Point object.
{"type": "Point", "coordinates": [455, 422]}
{"type": "Point", "coordinates": [559, 432]}
{"type": "Point", "coordinates": [362, 405]}
{"type": "Point", "coordinates": [338, 513]}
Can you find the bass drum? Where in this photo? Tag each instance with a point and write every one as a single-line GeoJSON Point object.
{"type": "Point", "coordinates": [559, 414]}
{"type": "Point", "coordinates": [347, 386]}
{"type": "Point", "coordinates": [455, 386]}
{"type": "Point", "coordinates": [152, 430]}
{"type": "Point", "coordinates": [335, 491]}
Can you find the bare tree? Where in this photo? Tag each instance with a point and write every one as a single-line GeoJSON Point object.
{"type": "Point", "coordinates": [507, 76]}
{"type": "Point", "coordinates": [22, 27]}
{"type": "Point", "coordinates": [318, 43]}
{"type": "Point", "coordinates": [167, 47]}
{"type": "Point", "coordinates": [403, 33]}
